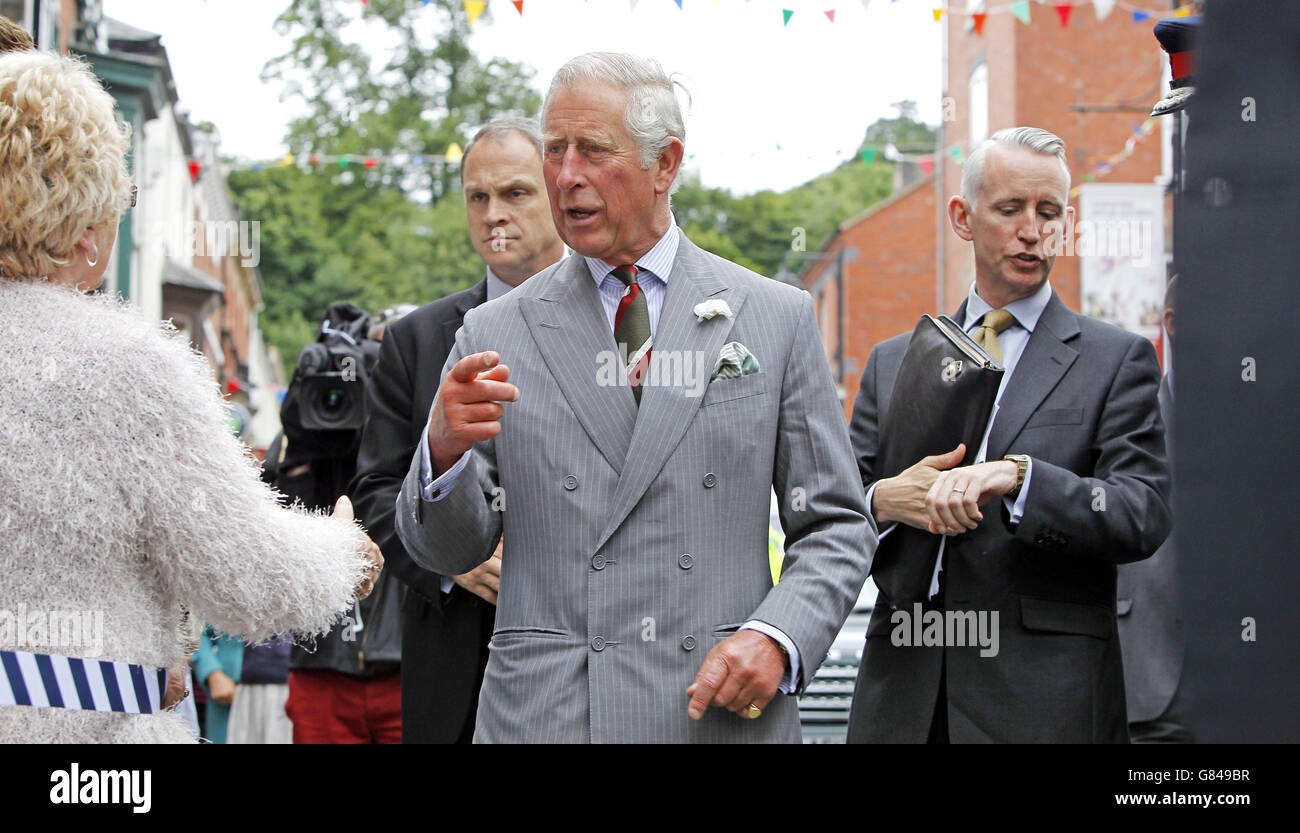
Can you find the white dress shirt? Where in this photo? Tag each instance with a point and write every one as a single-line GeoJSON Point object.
{"type": "Point", "coordinates": [653, 271]}
{"type": "Point", "coordinates": [1026, 312]}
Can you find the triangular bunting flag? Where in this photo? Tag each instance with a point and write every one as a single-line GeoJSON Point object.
{"type": "Point", "coordinates": [1063, 11]}
{"type": "Point", "coordinates": [1103, 8]}
{"type": "Point", "coordinates": [454, 153]}
{"type": "Point", "coordinates": [978, 19]}
{"type": "Point", "coordinates": [1139, 15]}
{"type": "Point", "coordinates": [938, 13]}
{"type": "Point", "coordinates": [788, 13]}
{"type": "Point", "coordinates": [830, 13]}
{"type": "Point", "coordinates": [1184, 11]}
{"type": "Point", "coordinates": [679, 4]}
{"type": "Point", "coordinates": [956, 154]}
{"type": "Point", "coordinates": [519, 4]}
{"type": "Point", "coordinates": [868, 155]}
{"type": "Point", "coordinates": [473, 9]}
{"type": "Point", "coordinates": [892, 154]}
{"type": "Point", "coordinates": [1020, 9]}
{"type": "Point", "coordinates": [927, 165]}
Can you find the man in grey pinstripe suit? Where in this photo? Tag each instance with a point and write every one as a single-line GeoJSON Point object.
{"type": "Point", "coordinates": [635, 600]}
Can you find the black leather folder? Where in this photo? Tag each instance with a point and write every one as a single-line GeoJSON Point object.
{"type": "Point", "coordinates": [943, 396]}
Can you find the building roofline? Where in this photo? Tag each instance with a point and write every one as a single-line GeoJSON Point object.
{"type": "Point", "coordinates": [862, 217]}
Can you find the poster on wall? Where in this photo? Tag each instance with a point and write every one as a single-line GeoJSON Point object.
{"type": "Point", "coordinates": [1119, 239]}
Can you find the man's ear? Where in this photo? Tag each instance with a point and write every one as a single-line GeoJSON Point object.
{"type": "Point", "coordinates": [959, 217]}
{"type": "Point", "coordinates": [670, 160]}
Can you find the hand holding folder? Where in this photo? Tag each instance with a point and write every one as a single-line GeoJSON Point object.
{"type": "Point", "coordinates": [943, 396]}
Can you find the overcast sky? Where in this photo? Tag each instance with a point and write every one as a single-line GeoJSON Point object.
{"type": "Point", "coordinates": [811, 87]}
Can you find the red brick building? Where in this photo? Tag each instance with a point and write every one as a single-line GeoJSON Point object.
{"type": "Point", "coordinates": [886, 278]}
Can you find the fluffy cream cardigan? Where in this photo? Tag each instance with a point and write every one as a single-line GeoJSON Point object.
{"type": "Point", "coordinates": [124, 492]}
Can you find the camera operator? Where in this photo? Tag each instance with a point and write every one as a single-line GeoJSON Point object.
{"type": "Point", "coordinates": [346, 686]}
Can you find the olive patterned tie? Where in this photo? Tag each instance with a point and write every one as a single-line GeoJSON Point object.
{"type": "Point", "coordinates": [632, 328]}
{"type": "Point", "coordinates": [986, 334]}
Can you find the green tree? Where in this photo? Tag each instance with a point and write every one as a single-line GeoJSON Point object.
{"type": "Point", "coordinates": [902, 131]}
{"type": "Point", "coordinates": [377, 234]}
{"type": "Point", "coordinates": [762, 229]}
{"type": "Point", "coordinates": [428, 94]}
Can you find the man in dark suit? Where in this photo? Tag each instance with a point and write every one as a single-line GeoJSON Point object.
{"type": "Point", "coordinates": [1071, 479]}
{"type": "Point", "coordinates": [447, 620]}
{"type": "Point", "coordinates": [1151, 616]}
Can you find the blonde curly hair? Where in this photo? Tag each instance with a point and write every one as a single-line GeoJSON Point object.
{"type": "Point", "coordinates": [62, 160]}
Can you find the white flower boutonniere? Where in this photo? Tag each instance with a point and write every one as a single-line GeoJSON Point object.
{"type": "Point", "coordinates": [708, 309]}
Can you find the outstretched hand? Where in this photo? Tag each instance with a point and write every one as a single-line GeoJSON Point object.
{"type": "Point", "coordinates": [468, 407]}
{"type": "Point", "coordinates": [374, 557]}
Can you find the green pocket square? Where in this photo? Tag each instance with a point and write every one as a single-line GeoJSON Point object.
{"type": "Point", "coordinates": [734, 361]}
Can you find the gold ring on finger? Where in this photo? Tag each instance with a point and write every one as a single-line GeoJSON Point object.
{"type": "Point", "coordinates": [752, 711]}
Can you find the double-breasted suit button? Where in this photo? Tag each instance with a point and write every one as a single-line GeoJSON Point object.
{"type": "Point", "coordinates": [571, 482]}
{"type": "Point", "coordinates": [598, 562]}
{"type": "Point", "coordinates": [688, 643]}
{"type": "Point", "coordinates": [709, 480]}
{"type": "Point", "coordinates": [598, 643]}
{"type": "Point", "coordinates": [686, 561]}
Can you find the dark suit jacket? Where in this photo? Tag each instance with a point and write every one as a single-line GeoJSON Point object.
{"type": "Point", "coordinates": [1150, 617]}
{"type": "Point", "coordinates": [1082, 405]}
{"type": "Point", "coordinates": [444, 636]}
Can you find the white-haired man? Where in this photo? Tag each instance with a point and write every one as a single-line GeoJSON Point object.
{"type": "Point", "coordinates": [1071, 479]}
{"type": "Point", "coordinates": [635, 592]}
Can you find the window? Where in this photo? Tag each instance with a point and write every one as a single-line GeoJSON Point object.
{"type": "Point", "coordinates": [39, 17]}
{"type": "Point", "coordinates": [19, 11]}
{"type": "Point", "coordinates": [978, 103]}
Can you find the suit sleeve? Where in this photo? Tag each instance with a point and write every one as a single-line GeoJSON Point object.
{"type": "Point", "coordinates": [864, 426]}
{"type": "Point", "coordinates": [385, 455]}
{"type": "Point", "coordinates": [458, 532]}
{"type": "Point", "coordinates": [1121, 512]}
{"type": "Point", "coordinates": [829, 537]}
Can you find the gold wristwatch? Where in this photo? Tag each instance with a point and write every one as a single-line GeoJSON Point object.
{"type": "Point", "coordinates": [1022, 468]}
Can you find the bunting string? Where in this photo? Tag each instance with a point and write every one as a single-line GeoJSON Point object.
{"type": "Point", "coordinates": [937, 9]}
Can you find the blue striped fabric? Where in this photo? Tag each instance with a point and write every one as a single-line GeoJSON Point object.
{"type": "Point", "coordinates": [56, 681]}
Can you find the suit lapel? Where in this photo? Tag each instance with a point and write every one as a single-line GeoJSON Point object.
{"type": "Point", "coordinates": [668, 408]}
{"type": "Point", "coordinates": [568, 324]}
{"type": "Point", "coordinates": [464, 305]}
{"type": "Point", "coordinates": [1044, 362]}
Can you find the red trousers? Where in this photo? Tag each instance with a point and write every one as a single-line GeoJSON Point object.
{"type": "Point", "coordinates": [332, 707]}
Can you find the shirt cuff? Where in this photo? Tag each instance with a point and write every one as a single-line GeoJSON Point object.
{"type": "Point", "coordinates": [788, 685]}
{"type": "Point", "coordinates": [870, 496]}
{"type": "Point", "coordinates": [431, 489]}
{"type": "Point", "coordinates": [1017, 509]}
{"type": "Point", "coordinates": [448, 584]}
